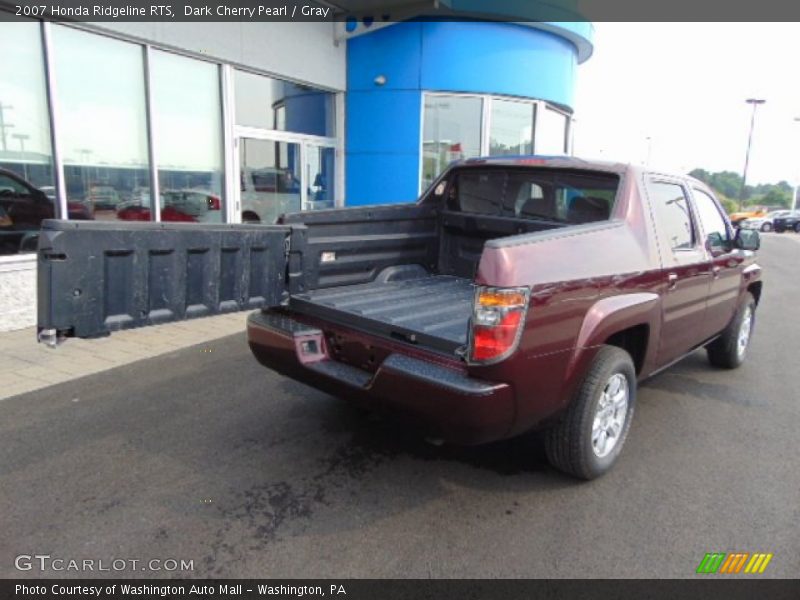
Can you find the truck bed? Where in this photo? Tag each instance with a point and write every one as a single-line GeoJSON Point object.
{"type": "Point", "coordinates": [432, 311]}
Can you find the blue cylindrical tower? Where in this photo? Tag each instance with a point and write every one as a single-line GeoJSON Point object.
{"type": "Point", "coordinates": [392, 69]}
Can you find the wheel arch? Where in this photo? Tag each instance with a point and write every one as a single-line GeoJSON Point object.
{"type": "Point", "coordinates": [628, 321]}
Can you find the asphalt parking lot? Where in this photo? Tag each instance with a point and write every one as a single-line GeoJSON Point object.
{"type": "Point", "coordinates": [203, 455]}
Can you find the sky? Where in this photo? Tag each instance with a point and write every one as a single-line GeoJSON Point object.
{"type": "Point", "coordinates": [684, 86]}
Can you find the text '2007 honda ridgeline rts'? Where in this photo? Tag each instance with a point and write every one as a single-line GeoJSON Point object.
{"type": "Point", "coordinates": [516, 294]}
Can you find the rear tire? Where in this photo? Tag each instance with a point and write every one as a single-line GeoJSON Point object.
{"type": "Point", "coordinates": [766, 227]}
{"type": "Point", "coordinates": [729, 350]}
{"type": "Point", "coordinates": [588, 440]}
{"type": "Point", "coordinates": [797, 227]}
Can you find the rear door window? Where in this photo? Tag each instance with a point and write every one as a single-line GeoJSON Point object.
{"type": "Point", "coordinates": [673, 215]}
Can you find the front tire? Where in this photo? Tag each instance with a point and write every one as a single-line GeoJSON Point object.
{"type": "Point", "coordinates": [588, 440]}
{"type": "Point", "coordinates": [729, 350]}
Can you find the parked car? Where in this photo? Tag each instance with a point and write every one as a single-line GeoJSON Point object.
{"type": "Point", "coordinates": [103, 197]}
{"type": "Point", "coordinates": [189, 206]}
{"type": "Point", "coordinates": [516, 294]}
{"type": "Point", "coordinates": [765, 223]}
{"type": "Point", "coordinates": [753, 212]}
{"type": "Point", "coordinates": [23, 207]}
{"type": "Point", "coordinates": [268, 193]}
{"type": "Point", "coordinates": [789, 222]}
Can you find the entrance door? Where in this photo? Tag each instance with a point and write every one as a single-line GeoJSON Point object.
{"type": "Point", "coordinates": [320, 175]}
{"type": "Point", "coordinates": [270, 174]}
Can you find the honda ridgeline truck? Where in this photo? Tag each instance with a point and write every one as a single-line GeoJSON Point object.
{"type": "Point", "coordinates": [516, 294]}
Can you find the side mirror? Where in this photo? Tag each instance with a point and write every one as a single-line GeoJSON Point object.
{"type": "Point", "coordinates": [747, 239]}
{"type": "Point", "coordinates": [716, 244]}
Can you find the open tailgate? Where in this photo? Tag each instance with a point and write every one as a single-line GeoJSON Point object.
{"type": "Point", "coordinates": [94, 278]}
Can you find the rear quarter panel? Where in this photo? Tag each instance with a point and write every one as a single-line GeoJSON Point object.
{"type": "Point", "coordinates": [586, 283]}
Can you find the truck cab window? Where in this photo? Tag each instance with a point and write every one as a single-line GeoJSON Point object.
{"type": "Point", "coordinates": [535, 194]}
{"type": "Point", "coordinates": [673, 215]}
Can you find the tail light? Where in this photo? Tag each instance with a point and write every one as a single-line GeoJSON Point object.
{"type": "Point", "coordinates": [497, 321]}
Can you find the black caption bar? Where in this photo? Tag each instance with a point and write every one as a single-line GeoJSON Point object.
{"type": "Point", "coordinates": [479, 589]}
{"type": "Point", "coordinates": [164, 10]}
{"type": "Point", "coordinates": [399, 10]}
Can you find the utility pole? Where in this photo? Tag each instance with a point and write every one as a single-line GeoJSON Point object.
{"type": "Point", "coordinates": [793, 203]}
{"type": "Point", "coordinates": [755, 102]}
{"type": "Point", "coordinates": [3, 124]}
{"type": "Point", "coordinates": [21, 137]}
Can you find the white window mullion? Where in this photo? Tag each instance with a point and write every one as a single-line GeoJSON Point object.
{"type": "Point", "coordinates": [486, 125]}
{"type": "Point", "coordinates": [155, 195]}
{"type": "Point", "coordinates": [54, 113]}
{"type": "Point", "coordinates": [232, 194]}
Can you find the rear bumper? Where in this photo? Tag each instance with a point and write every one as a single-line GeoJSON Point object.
{"type": "Point", "coordinates": [443, 402]}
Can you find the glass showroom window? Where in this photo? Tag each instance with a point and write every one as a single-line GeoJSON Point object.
{"type": "Point", "coordinates": [102, 129]}
{"type": "Point", "coordinates": [269, 103]}
{"type": "Point", "coordinates": [451, 131]}
{"type": "Point", "coordinates": [187, 132]}
{"type": "Point", "coordinates": [24, 138]}
{"type": "Point", "coordinates": [511, 127]}
{"type": "Point", "coordinates": [551, 136]}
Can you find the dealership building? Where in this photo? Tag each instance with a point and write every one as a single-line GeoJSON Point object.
{"type": "Point", "coordinates": [232, 122]}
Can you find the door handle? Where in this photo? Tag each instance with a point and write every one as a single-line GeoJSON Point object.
{"type": "Point", "coordinates": [672, 280]}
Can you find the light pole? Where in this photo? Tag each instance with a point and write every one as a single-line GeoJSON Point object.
{"type": "Point", "coordinates": [793, 203]}
{"type": "Point", "coordinates": [21, 137]}
{"type": "Point", "coordinates": [755, 102]}
{"type": "Point", "coordinates": [3, 124]}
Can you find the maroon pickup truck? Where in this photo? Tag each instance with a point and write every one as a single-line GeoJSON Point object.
{"type": "Point", "coordinates": [516, 294]}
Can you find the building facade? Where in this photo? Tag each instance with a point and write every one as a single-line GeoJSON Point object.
{"type": "Point", "coordinates": [240, 122]}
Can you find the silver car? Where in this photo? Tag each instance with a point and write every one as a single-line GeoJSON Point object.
{"type": "Point", "coordinates": [765, 223]}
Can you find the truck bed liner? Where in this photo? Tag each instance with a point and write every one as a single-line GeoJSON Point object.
{"type": "Point", "coordinates": [433, 311]}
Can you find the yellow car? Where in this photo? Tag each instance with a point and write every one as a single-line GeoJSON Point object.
{"type": "Point", "coordinates": [754, 212]}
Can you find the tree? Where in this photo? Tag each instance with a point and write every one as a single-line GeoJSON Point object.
{"type": "Point", "coordinates": [777, 197]}
{"type": "Point", "coordinates": [728, 185]}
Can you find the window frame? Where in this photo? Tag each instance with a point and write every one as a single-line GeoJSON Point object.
{"type": "Point", "coordinates": [537, 105]}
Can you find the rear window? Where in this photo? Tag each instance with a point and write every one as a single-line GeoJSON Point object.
{"type": "Point", "coordinates": [536, 194]}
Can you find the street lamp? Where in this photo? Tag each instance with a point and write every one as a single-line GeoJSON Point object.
{"type": "Point", "coordinates": [755, 102]}
{"type": "Point", "coordinates": [793, 203]}
{"type": "Point", "coordinates": [21, 137]}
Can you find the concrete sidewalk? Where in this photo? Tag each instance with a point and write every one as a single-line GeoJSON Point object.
{"type": "Point", "coordinates": [26, 365]}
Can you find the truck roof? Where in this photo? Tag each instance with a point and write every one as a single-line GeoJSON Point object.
{"type": "Point", "coordinates": [571, 162]}
{"type": "Point", "coordinates": [563, 162]}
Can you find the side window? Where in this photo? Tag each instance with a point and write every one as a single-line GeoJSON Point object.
{"type": "Point", "coordinates": [480, 192]}
{"type": "Point", "coordinates": [673, 217]}
{"type": "Point", "coordinates": [710, 218]}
